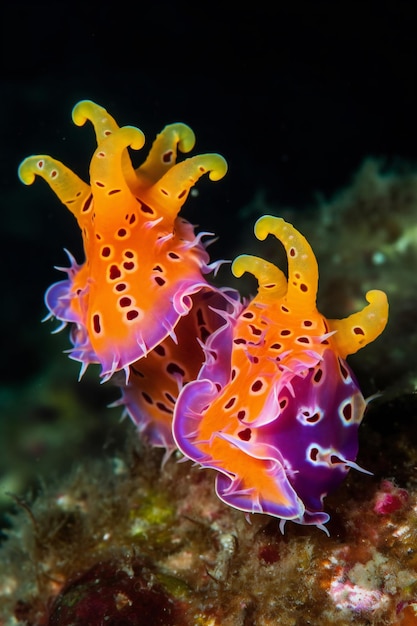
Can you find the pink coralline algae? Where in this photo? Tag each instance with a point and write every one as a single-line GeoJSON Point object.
{"type": "Point", "coordinates": [355, 598]}
{"type": "Point", "coordinates": [390, 498]}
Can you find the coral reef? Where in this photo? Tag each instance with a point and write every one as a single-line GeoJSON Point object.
{"type": "Point", "coordinates": [162, 546]}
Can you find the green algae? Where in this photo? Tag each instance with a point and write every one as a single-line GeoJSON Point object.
{"type": "Point", "coordinates": [151, 520]}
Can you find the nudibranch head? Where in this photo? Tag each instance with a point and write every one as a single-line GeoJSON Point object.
{"type": "Point", "coordinates": [143, 262]}
{"type": "Point", "coordinates": [275, 408]}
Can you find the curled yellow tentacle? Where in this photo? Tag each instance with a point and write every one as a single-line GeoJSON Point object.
{"type": "Point", "coordinates": [104, 124]}
{"type": "Point", "coordinates": [69, 188]}
{"type": "Point", "coordinates": [171, 191]}
{"type": "Point", "coordinates": [302, 265]}
{"type": "Point", "coordinates": [107, 172]}
{"type": "Point", "coordinates": [272, 281]}
{"type": "Point", "coordinates": [163, 153]}
{"type": "Point", "coordinates": [359, 329]}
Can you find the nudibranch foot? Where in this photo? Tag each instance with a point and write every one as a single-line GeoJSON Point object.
{"type": "Point", "coordinates": [275, 408]}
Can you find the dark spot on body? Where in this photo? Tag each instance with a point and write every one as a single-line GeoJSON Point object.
{"type": "Point", "coordinates": [173, 368]}
{"type": "Point", "coordinates": [114, 272]}
{"type": "Point", "coordinates": [245, 435]}
{"type": "Point", "coordinates": [160, 350]}
{"type": "Point", "coordinates": [257, 385]}
{"type": "Point", "coordinates": [230, 403]}
{"type": "Point", "coordinates": [96, 323]}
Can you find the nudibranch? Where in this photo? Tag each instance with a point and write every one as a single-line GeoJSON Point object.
{"type": "Point", "coordinates": [143, 262]}
{"type": "Point", "coordinates": [275, 408]}
{"type": "Point", "coordinates": [152, 389]}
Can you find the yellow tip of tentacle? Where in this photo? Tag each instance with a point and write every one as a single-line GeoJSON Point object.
{"type": "Point", "coordinates": [184, 135]}
{"type": "Point", "coordinates": [28, 169]}
{"type": "Point", "coordinates": [272, 281]}
{"type": "Point", "coordinates": [85, 111]}
{"type": "Point", "coordinates": [134, 137]}
{"type": "Point", "coordinates": [268, 225]}
{"type": "Point", "coordinates": [216, 166]}
{"type": "Point", "coordinates": [359, 329]}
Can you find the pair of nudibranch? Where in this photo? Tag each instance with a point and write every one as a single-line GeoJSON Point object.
{"type": "Point", "coordinates": [260, 390]}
